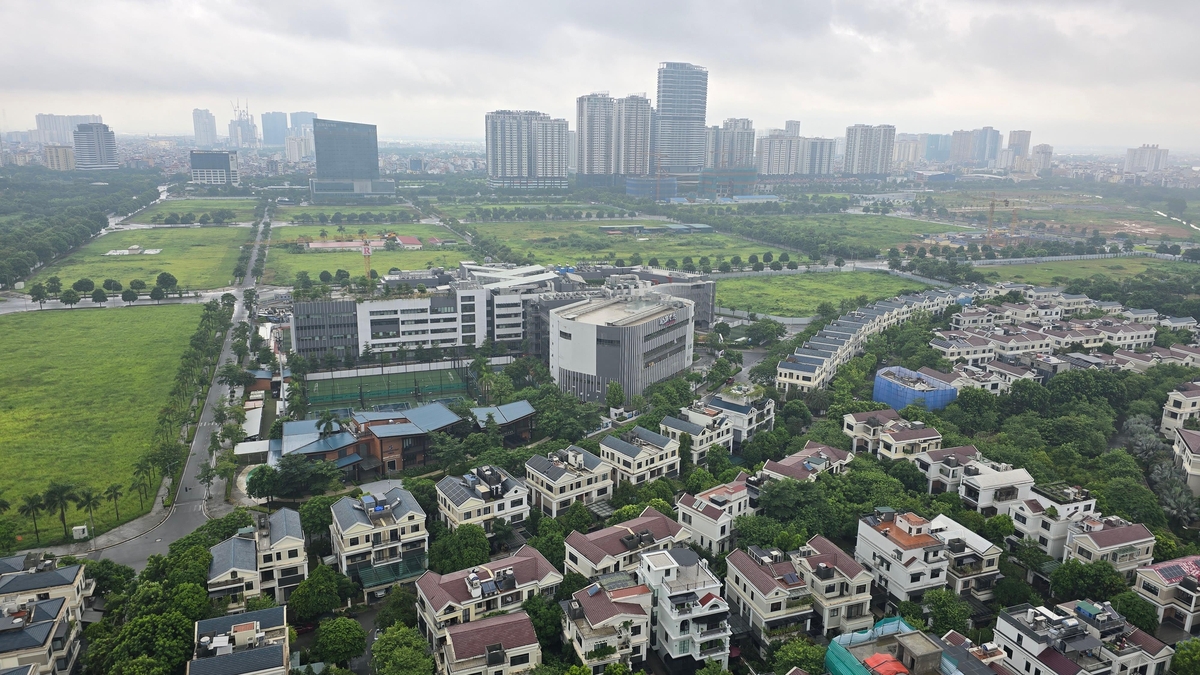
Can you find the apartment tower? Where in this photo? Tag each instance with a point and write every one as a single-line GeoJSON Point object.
{"type": "Point", "coordinates": [95, 147]}
{"type": "Point", "coordinates": [682, 106]}
{"type": "Point", "coordinates": [869, 149]}
{"type": "Point", "coordinates": [526, 149]}
{"type": "Point", "coordinates": [204, 124]}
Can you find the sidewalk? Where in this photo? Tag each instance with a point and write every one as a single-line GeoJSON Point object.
{"type": "Point", "coordinates": [122, 533]}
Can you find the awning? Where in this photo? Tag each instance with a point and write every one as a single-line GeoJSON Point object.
{"type": "Point", "coordinates": [369, 463]}
{"type": "Point", "coordinates": [348, 460]}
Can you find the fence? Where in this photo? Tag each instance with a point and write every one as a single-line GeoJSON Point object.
{"type": "Point", "coordinates": [1067, 258]}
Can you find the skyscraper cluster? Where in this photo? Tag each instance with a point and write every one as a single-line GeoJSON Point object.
{"type": "Point", "coordinates": [60, 129]}
{"type": "Point", "coordinates": [784, 152]}
{"type": "Point", "coordinates": [612, 137]}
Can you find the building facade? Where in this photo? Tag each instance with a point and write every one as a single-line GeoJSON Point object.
{"type": "Point", "coordinates": [498, 645]}
{"type": "Point", "coordinates": [680, 116]}
{"type": "Point", "coordinates": [710, 514]}
{"type": "Point", "coordinates": [487, 494]}
{"type": "Point", "coordinates": [609, 622]}
{"type": "Point", "coordinates": [690, 616]}
{"type": "Point", "coordinates": [214, 167]}
{"type": "Point", "coordinates": [274, 129]}
{"type": "Point", "coordinates": [60, 129]}
{"type": "Point", "coordinates": [59, 157]}
{"type": "Point", "coordinates": [379, 539]}
{"type": "Point", "coordinates": [95, 148]}
{"type": "Point", "coordinates": [526, 150]}
{"type": "Point", "coordinates": [902, 554]}
{"type": "Point", "coordinates": [347, 155]}
{"type": "Point", "coordinates": [618, 548]}
{"type": "Point", "coordinates": [639, 455]}
{"type": "Point", "coordinates": [564, 477]}
{"type": "Point", "coordinates": [869, 149]}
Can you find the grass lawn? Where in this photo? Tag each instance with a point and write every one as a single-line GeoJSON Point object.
{"type": "Point", "coordinates": [290, 233]}
{"type": "Point", "coordinates": [287, 213]}
{"type": "Point", "coordinates": [462, 211]}
{"type": "Point", "coordinates": [573, 242]}
{"type": "Point", "coordinates": [1051, 273]}
{"type": "Point", "coordinates": [244, 208]}
{"type": "Point", "coordinates": [282, 266]}
{"type": "Point", "coordinates": [880, 232]}
{"type": "Point", "coordinates": [199, 257]}
{"type": "Point", "coordinates": [79, 395]}
{"type": "Point", "coordinates": [799, 294]}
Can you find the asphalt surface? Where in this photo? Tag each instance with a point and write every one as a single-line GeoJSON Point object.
{"type": "Point", "coordinates": [190, 508]}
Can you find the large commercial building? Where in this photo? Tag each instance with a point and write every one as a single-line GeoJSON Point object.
{"type": "Point", "coordinates": [634, 338]}
{"type": "Point", "coordinates": [59, 157]}
{"type": "Point", "coordinates": [95, 148]}
{"type": "Point", "coordinates": [869, 149]}
{"type": "Point", "coordinates": [1145, 159]}
{"type": "Point", "coordinates": [274, 128]}
{"type": "Point", "coordinates": [215, 167]}
{"type": "Point", "coordinates": [730, 145]}
{"type": "Point", "coordinates": [1018, 142]}
{"type": "Point", "coordinates": [60, 129]}
{"type": "Point", "coordinates": [347, 162]}
{"type": "Point", "coordinates": [680, 116]}
{"type": "Point", "coordinates": [204, 124]}
{"type": "Point", "coordinates": [243, 132]}
{"type": "Point", "coordinates": [526, 150]}
{"type": "Point", "coordinates": [301, 119]}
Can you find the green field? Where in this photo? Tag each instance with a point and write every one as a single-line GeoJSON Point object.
{"type": "Point", "coordinates": [287, 213]}
{"type": "Point", "coordinates": [573, 242]}
{"type": "Point", "coordinates": [244, 208]}
{"type": "Point", "coordinates": [282, 265]}
{"type": "Point", "coordinates": [880, 232]}
{"type": "Point", "coordinates": [462, 211]}
{"type": "Point", "coordinates": [1054, 273]}
{"type": "Point", "coordinates": [290, 233]}
{"type": "Point", "coordinates": [79, 396]}
{"type": "Point", "coordinates": [799, 294]}
{"type": "Point", "coordinates": [199, 257]}
{"type": "Point", "coordinates": [369, 390]}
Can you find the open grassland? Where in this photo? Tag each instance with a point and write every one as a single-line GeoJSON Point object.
{"type": "Point", "coordinates": [282, 266]}
{"type": "Point", "coordinates": [292, 233]}
{"type": "Point", "coordinates": [880, 232]}
{"type": "Point", "coordinates": [79, 395]}
{"type": "Point", "coordinates": [800, 294]}
{"type": "Point", "coordinates": [1052, 273]}
{"type": "Point", "coordinates": [244, 208]}
{"type": "Point", "coordinates": [199, 257]}
{"type": "Point", "coordinates": [571, 242]}
{"type": "Point", "coordinates": [289, 213]}
{"type": "Point", "coordinates": [462, 211]}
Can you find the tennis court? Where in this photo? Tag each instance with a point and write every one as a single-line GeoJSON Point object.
{"type": "Point", "coordinates": [366, 391]}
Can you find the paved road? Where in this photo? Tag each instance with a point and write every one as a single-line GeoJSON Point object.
{"type": "Point", "coordinates": [189, 511]}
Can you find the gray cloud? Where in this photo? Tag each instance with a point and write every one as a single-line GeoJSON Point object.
{"type": "Point", "coordinates": [1076, 72]}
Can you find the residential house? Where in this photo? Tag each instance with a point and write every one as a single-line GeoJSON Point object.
{"type": "Point", "coordinates": [1173, 587]}
{"type": "Point", "coordinates": [47, 582]}
{"type": "Point", "coordinates": [710, 515]}
{"type": "Point", "coordinates": [618, 548]}
{"type": "Point", "coordinates": [707, 426]}
{"type": "Point", "coordinates": [901, 440]}
{"type": "Point", "coordinates": [1147, 316]}
{"type": "Point", "coordinates": [767, 589]}
{"type": "Point", "coordinates": [514, 421]}
{"type": "Point", "coordinates": [1010, 373]}
{"type": "Point", "coordinates": [987, 486]}
{"type": "Point", "coordinates": [689, 616]}
{"type": "Point", "coordinates": [1077, 638]}
{"type": "Point", "coordinates": [40, 634]}
{"type": "Point", "coordinates": [233, 573]}
{"type": "Point", "coordinates": [498, 645]}
{"type": "Point", "coordinates": [1047, 515]}
{"type": "Point", "coordinates": [894, 647]}
{"type": "Point", "coordinates": [254, 643]}
{"type": "Point", "coordinates": [399, 440]}
{"type": "Point", "coordinates": [841, 588]}
{"type": "Point", "coordinates": [447, 600]}
{"type": "Point", "coordinates": [1187, 456]}
{"type": "Point", "coordinates": [973, 317]}
{"type": "Point", "coordinates": [748, 409]}
{"type": "Point", "coordinates": [379, 539]}
{"type": "Point", "coordinates": [282, 559]}
{"type": "Point", "coordinates": [566, 476]}
{"type": "Point", "coordinates": [1183, 404]}
{"type": "Point", "coordinates": [609, 622]}
{"type": "Point", "coordinates": [1127, 546]}
{"type": "Point", "coordinates": [974, 563]}
{"type": "Point", "coordinates": [899, 550]}
{"type": "Point", "coordinates": [814, 459]}
{"type": "Point", "coordinates": [640, 455]}
{"type": "Point", "coordinates": [969, 377]}
{"type": "Point", "coordinates": [864, 428]}
{"type": "Point", "coordinates": [481, 497]}
{"type": "Point", "coordinates": [954, 345]}
{"type": "Point", "coordinates": [944, 467]}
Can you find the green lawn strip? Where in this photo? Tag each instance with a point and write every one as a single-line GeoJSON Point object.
{"type": "Point", "coordinates": [800, 294]}
{"type": "Point", "coordinates": [199, 257]}
{"type": "Point", "coordinates": [243, 208]}
{"type": "Point", "coordinates": [1050, 273]}
{"type": "Point", "coordinates": [287, 213]}
{"type": "Point", "coordinates": [79, 395]}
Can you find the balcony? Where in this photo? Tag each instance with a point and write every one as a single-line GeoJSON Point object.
{"type": "Point", "coordinates": [711, 651]}
{"type": "Point", "coordinates": [720, 629]}
{"type": "Point", "coordinates": [600, 653]}
{"type": "Point", "coordinates": [802, 601]}
{"type": "Point", "coordinates": [967, 569]}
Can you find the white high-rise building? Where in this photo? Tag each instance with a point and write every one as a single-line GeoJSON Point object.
{"type": "Point", "coordinates": [791, 127]}
{"type": "Point", "coordinates": [785, 155]}
{"type": "Point", "coordinates": [60, 129]}
{"type": "Point", "coordinates": [1018, 142]}
{"type": "Point", "coordinates": [631, 139]}
{"type": "Point", "coordinates": [1042, 156]}
{"type": "Point", "coordinates": [869, 149]}
{"type": "Point", "coordinates": [243, 132]}
{"type": "Point", "coordinates": [594, 126]}
{"type": "Point", "coordinates": [1146, 158]}
{"type": "Point", "coordinates": [736, 145]}
{"type": "Point", "coordinates": [299, 148]}
{"type": "Point", "coordinates": [907, 149]}
{"type": "Point", "coordinates": [95, 148]}
{"type": "Point", "coordinates": [680, 115]}
{"type": "Point", "coordinates": [572, 151]}
{"type": "Point", "coordinates": [204, 123]}
{"type": "Point", "coordinates": [526, 150]}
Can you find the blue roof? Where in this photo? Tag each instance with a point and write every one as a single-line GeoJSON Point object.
{"type": "Point", "coordinates": [432, 417]}
{"type": "Point", "coordinates": [343, 462]}
{"type": "Point", "coordinates": [22, 581]}
{"type": "Point", "coordinates": [682, 425]}
{"type": "Point", "coordinates": [346, 513]}
{"type": "Point", "coordinates": [235, 553]}
{"type": "Point", "coordinates": [285, 523]}
{"type": "Point", "coordinates": [324, 445]}
{"type": "Point", "coordinates": [504, 414]}
{"type": "Point", "coordinates": [726, 405]}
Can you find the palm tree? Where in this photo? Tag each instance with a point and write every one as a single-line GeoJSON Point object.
{"type": "Point", "coordinates": [58, 497]}
{"type": "Point", "coordinates": [89, 500]}
{"type": "Point", "coordinates": [325, 423]}
{"type": "Point", "coordinates": [323, 234]}
{"type": "Point", "coordinates": [31, 506]}
{"type": "Point", "coordinates": [137, 486]}
{"type": "Point", "coordinates": [113, 493]}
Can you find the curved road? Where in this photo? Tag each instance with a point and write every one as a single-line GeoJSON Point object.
{"type": "Point", "coordinates": [189, 510]}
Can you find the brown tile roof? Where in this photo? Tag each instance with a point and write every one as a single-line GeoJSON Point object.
{"type": "Point", "coordinates": [528, 565]}
{"type": "Point", "coordinates": [833, 556]}
{"type": "Point", "coordinates": [1117, 536]}
{"type": "Point", "coordinates": [599, 607]}
{"type": "Point", "coordinates": [792, 466]}
{"type": "Point", "coordinates": [695, 503]}
{"type": "Point", "coordinates": [965, 453]}
{"type": "Point", "coordinates": [596, 545]}
{"type": "Point", "coordinates": [913, 434]}
{"type": "Point", "coordinates": [903, 539]}
{"type": "Point", "coordinates": [954, 638]}
{"type": "Point", "coordinates": [762, 577]}
{"type": "Point", "coordinates": [1150, 644]}
{"type": "Point", "coordinates": [881, 415]}
{"type": "Point", "coordinates": [510, 631]}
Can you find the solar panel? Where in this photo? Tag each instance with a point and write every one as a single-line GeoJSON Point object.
{"type": "Point", "coordinates": [593, 589]}
{"type": "Point", "coordinates": [1172, 572]}
{"type": "Point", "coordinates": [489, 587]}
{"type": "Point", "coordinates": [791, 578]}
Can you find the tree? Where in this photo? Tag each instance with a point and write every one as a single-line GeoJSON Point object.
{"type": "Point", "coordinates": [137, 285]}
{"type": "Point", "coordinates": [572, 583]}
{"type": "Point", "coordinates": [32, 505]}
{"type": "Point", "coordinates": [765, 331]}
{"type": "Point", "coordinates": [316, 595]}
{"type": "Point", "coordinates": [615, 396]}
{"type": "Point", "coordinates": [799, 653]}
{"type": "Point", "coordinates": [1096, 580]}
{"type": "Point", "coordinates": [546, 616]}
{"type": "Point", "coordinates": [83, 286]}
{"type": "Point", "coordinates": [1187, 658]}
{"type": "Point", "coordinates": [315, 516]}
{"type": "Point", "coordinates": [58, 496]}
{"type": "Point", "coordinates": [997, 528]}
{"type": "Point", "coordinates": [113, 493]}
{"type": "Point", "coordinates": [1137, 610]}
{"type": "Point", "coordinates": [576, 518]}
{"type": "Point", "coordinates": [466, 547]}
{"type": "Point", "coordinates": [947, 611]}
{"type": "Point", "coordinates": [401, 650]}
{"type": "Point", "coordinates": [129, 296]}
{"type": "Point", "coordinates": [157, 293]}
{"type": "Point", "coordinates": [38, 294]}
{"type": "Point", "coordinates": [166, 281]}
{"type": "Point", "coordinates": [99, 296]}
{"type": "Point", "coordinates": [710, 668]}
{"type": "Point", "coordinates": [263, 483]}
{"type": "Point", "coordinates": [87, 499]}
{"type": "Point", "coordinates": [1130, 499]}
{"type": "Point", "coordinates": [69, 297]}
{"type": "Point", "coordinates": [54, 286]}
{"type": "Point", "coordinates": [550, 541]}
{"type": "Point", "coordinates": [341, 639]}
{"type": "Point", "coordinates": [400, 607]}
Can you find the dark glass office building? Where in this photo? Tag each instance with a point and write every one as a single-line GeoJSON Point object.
{"type": "Point", "coordinates": [346, 150]}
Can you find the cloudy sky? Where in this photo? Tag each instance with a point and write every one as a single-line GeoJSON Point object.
{"type": "Point", "coordinates": [1079, 73]}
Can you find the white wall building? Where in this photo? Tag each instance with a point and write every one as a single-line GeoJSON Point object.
{"type": "Point", "coordinates": [690, 614]}
{"type": "Point", "coordinates": [899, 550]}
{"type": "Point", "coordinates": [564, 477]}
{"type": "Point", "coordinates": [617, 548]}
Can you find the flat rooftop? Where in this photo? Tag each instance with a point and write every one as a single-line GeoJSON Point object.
{"type": "Point", "coordinates": [621, 311]}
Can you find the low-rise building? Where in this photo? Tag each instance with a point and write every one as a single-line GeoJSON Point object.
{"type": "Point", "coordinates": [1077, 638]}
{"type": "Point", "coordinates": [1173, 587]}
{"type": "Point", "coordinates": [1046, 516]}
{"type": "Point", "coordinates": [710, 515]}
{"type": "Point", "coordinates": [618, 548]}
{"type": "Point", "coordinates": [1010, 373]}
{"type": "Point", "coordinates": [566, 476]}
{"type": "Point", "coordinates": [707, 426]}
{"type": "Point", "coordinates": [447, 600]}
{"type": "Point", "coordinates": [806, 465]}
{"type": "Point", "coordinates": [233, 572]}
{"type": "Point", "coordinates": [892, 646]}
{"type": "Point", "coordinates": [972, 349]}
{"type": "Point", "coordinates": [767, 589]}
{"type": "Point", "coordinates": [1127, 546]}
{"type": "Point", "coordinates": [944, 467]}
{"type": "Point", "coordinates": [988, 486]}
{"type": "Point", "coordinates": [689, 616]}
{"type": "Point", "coordinates": [969, 377]}
{"type": "Point", "coordinates": [254, 643]}
{"type": "Point", "coordinates": [640, 455]}
{"type": "Point", "coordinates": [498, 645]}
{"type": "Point", "coordinates": [609, 622]}
{"type": "Point", "coordinates": [900, 387]}
{"type": "Point", "coordinates": [380, 539]}
{"type": "Point", "coordinates": [903, 556]}
{"type": "Point", "coordinates": [903, 440]}
{"type": "Point", "coordinates": [974, 561]}
{"type": "Point", "coordinates": [282, 558]}
{"type": "Point", "coordinates": [841, 588]}
{"type": "Point", "coordinates": [513, 420]}
{"type": "Point", "coordinates": [41, 634]}
{"type": "Point", "coordinates": [1187, 456]}
{"type": "Point", "coordinates": [395, 441]}
{"type": "Point", "coordinates": [1183, 404]}
{"type": "Point", "coordinates": [864, 428]}
{"type": "Point", "coordinates": [748, 409]}
{"type": "Point", "coordinates": [481, 497]}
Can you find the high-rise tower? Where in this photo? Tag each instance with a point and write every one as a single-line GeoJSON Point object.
{"type": "Point", "coordinates": [682, 106]}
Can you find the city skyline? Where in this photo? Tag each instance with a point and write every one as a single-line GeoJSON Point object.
{"type": "Point", "coordinates": [1074, 78]}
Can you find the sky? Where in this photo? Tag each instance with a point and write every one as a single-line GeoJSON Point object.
{"type": "Point", "coordinates": [1078, 73]}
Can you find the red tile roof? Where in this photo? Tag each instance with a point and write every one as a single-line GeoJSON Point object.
{"type": "Point", "coordinates": [833, 556]}
{"type": "Point", "coordinates": [1119, 536]}
{"type": "Point", "coordinates": [1150, 644]}
{"type": "Point", "coordinates": [954, 638]}
{"type": "Point", "coordinates": [599, 607]}
{"type": "Point", "coordinates": [510, 631]}
{"type": "Point", "coordinates": [598, 544]}
{"type": "Point", "coordinates": [765, 578]}
{"type": "Point", "coordinates": [528, 565]}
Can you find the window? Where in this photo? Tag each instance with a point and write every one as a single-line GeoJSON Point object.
{"type": "Point", "coordinates": [519, 660]}
{"type": "Point", "coordinates": [830, 588]}
{"type": "Point", "coordinates": [935, 574]}
{"type": "Point", "coordinates": [860, 589]}
{"type": "Point", "coordinates": [572, 558]}
{"type": "Point", "coordinates": [293, 553]}
{"type": "Point", "coordinates": [991, 562]}
{"type": "Point", "coordinates": [1084, 553]}
{"type": "Point", "coordinates": [517, 502]}
{"type": "Point", "coordinates": [776, 606]}
{"type": "Point", "coordinates": [833, 612]}
{"type": "Point", "coordinates": [636, 630]}
{"type": "Point", "coordinates": [914, 578]}
{"type": "Point", "coordinates": [1043, 541]}
{"type": "Point", "coordinates": [267, 558]}
{"type": "Point", "coordinates": [1045, 525]}
{"type": "Point", "coordinates": [1149, 588]}
{"type": "Point", "coordinates": [354, 541]}
{"type": "Point", "coordinates": [564, 335]}
{"type": "Point", "coordinates": [1020, 639]}
{"type": "Point", "coordinates": [1020, 518]}
{"type": "Point", "coordinates": [1008, 651]}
